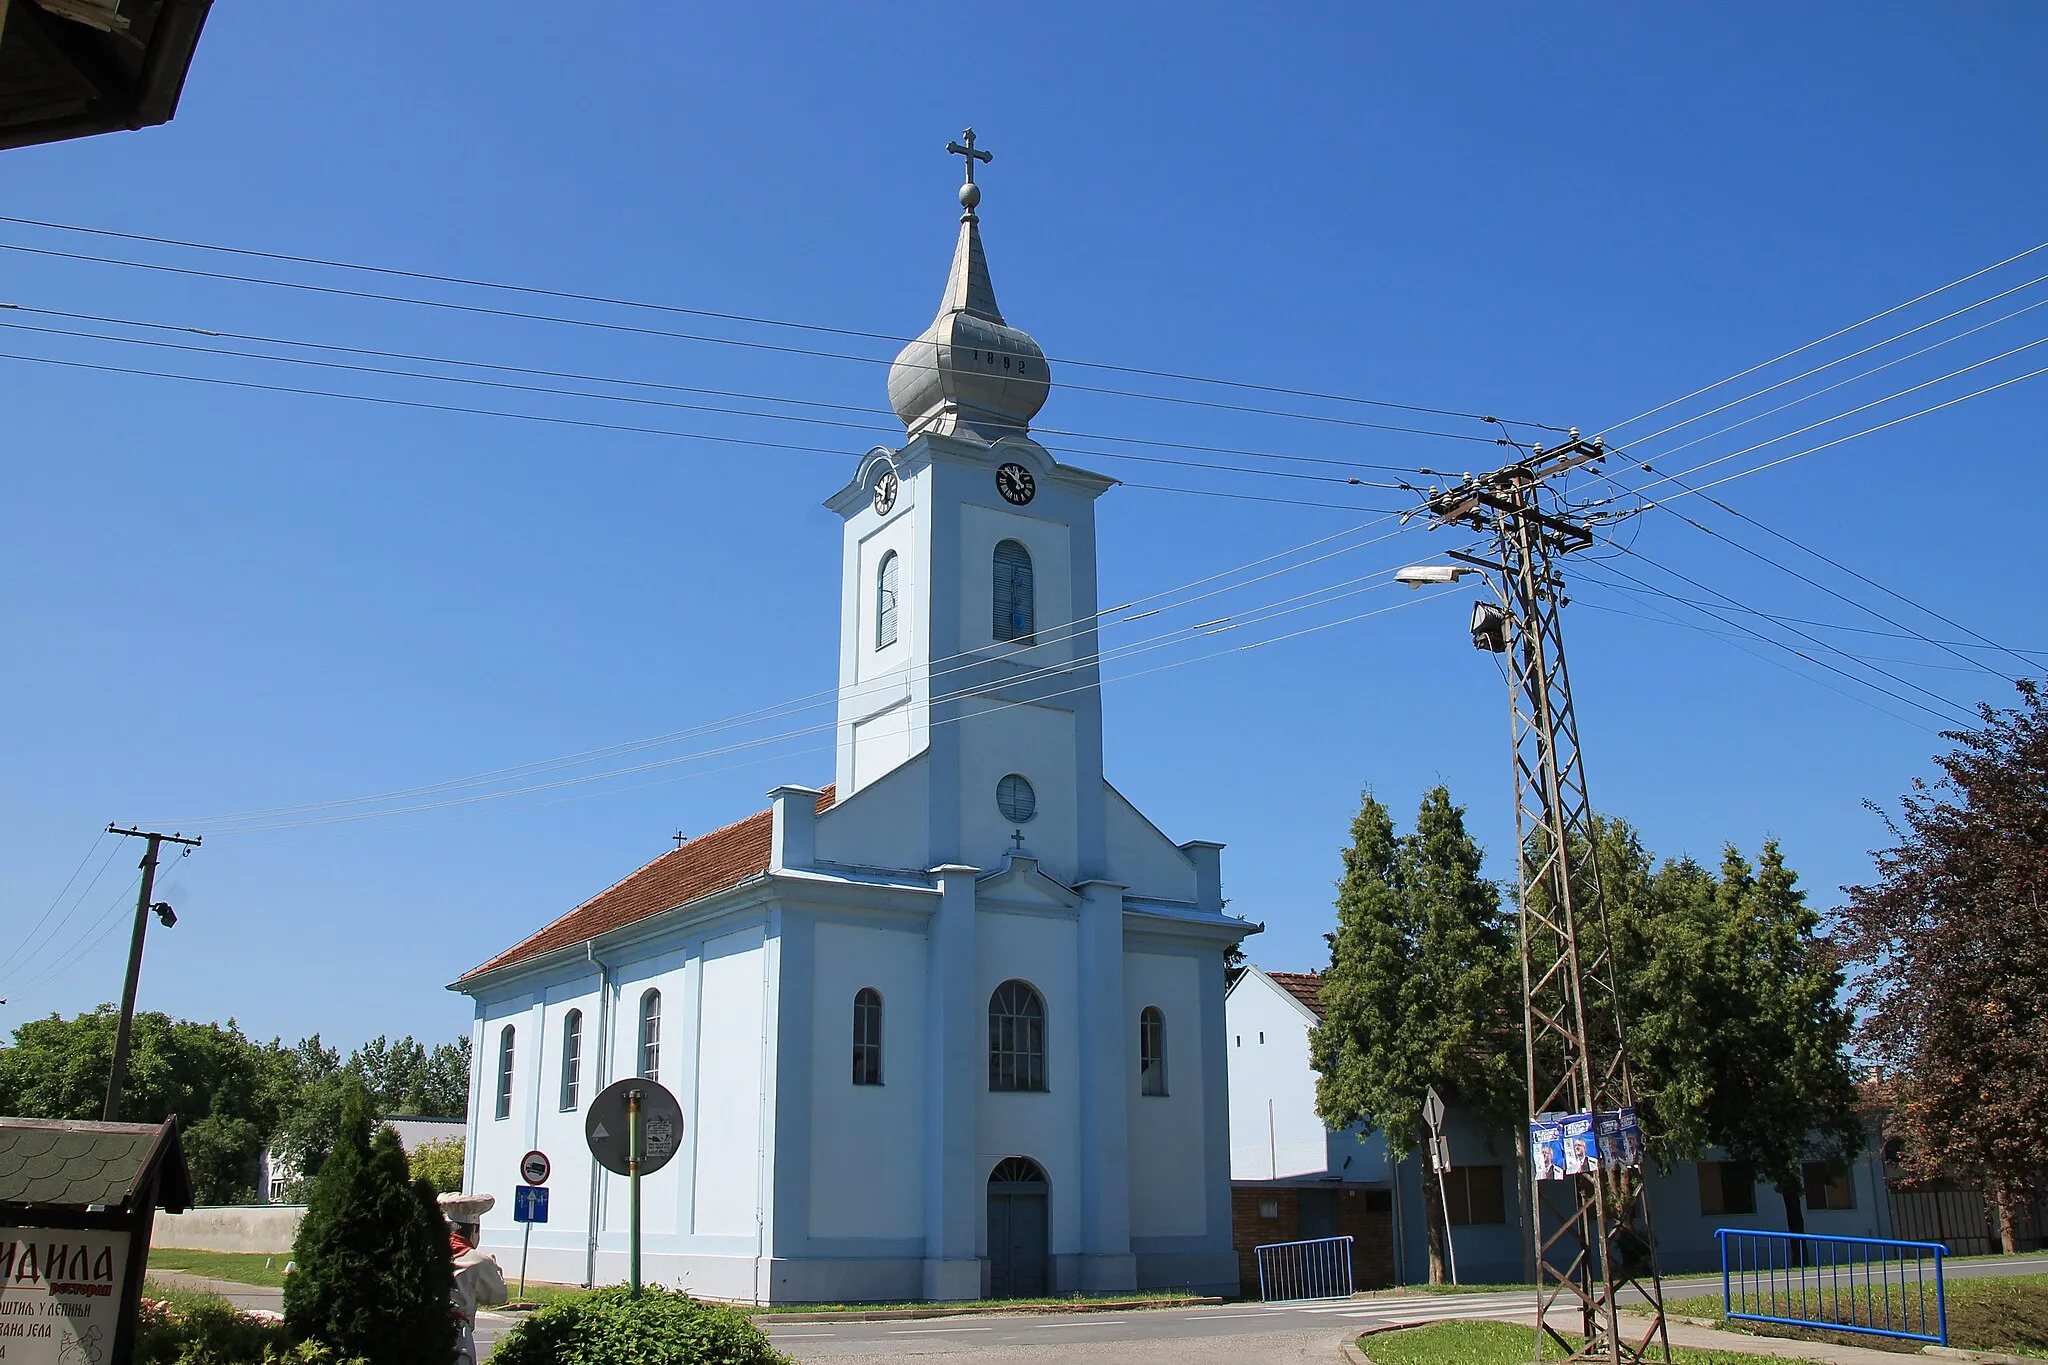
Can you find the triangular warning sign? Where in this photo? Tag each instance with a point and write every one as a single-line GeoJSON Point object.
{"type": "Point", "coordinates": [599, 1133]}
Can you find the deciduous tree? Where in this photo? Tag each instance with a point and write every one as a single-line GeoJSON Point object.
{"type": "Point", "coordinates": [1952, 942]}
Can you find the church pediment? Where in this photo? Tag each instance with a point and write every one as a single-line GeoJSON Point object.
{"type": "Point", "coordinates": [1020, 882]}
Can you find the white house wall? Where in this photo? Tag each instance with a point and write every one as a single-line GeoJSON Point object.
{"type": "Point", "coordinates": [1274, 1131]}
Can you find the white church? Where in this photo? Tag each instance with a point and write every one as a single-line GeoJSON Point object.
{"type": "Point", "coordinates": [951, 1027]}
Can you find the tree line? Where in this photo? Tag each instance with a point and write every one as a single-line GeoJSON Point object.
{"type": "Point", "coordinates": [1743, 1031]}
{"type": "Point", "coordinates": [233, 1096]}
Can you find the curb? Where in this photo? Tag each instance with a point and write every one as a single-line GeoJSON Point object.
{"type": "Point", "coordinates": [1983, 1357]}
{"type": "Point", "coordinates": [1035, 1309]}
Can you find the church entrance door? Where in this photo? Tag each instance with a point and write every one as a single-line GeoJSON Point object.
{"type": "Point", "coordinates": [1018, 1226]}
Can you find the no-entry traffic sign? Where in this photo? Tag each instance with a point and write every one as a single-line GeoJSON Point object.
{"type": "Point", "coordinates": [534, 1168]}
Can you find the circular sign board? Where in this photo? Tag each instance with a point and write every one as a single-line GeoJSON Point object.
{"type": "Point", "coordinates": [661, 1125]}
{"type": "Point", "coordinates": [534, 1168]}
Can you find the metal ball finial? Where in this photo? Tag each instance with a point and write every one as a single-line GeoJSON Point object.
{"type": "Point", "coordinates": [970, 195]}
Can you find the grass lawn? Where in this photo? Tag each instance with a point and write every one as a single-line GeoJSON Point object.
{"type": "Point", "coordinates": [241, 1267]}
{"type": "Point", "coordinates": [2007, 1313]}
{"type": "Point", "coordinates": [1498, 1343]}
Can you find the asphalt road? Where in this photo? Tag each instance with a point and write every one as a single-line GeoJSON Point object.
{"type": "Point", "coordinates": [1229, 1333]}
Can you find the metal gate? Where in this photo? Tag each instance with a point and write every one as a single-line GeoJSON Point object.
{"type": "Point", "coordinates": [1305, 1270]}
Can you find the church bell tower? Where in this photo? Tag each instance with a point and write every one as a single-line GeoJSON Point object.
{"type": "Point", "coordinates": [967, 662]}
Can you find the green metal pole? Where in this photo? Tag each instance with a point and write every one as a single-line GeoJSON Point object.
{"type": "Point", "coordinates": [633, 1149]}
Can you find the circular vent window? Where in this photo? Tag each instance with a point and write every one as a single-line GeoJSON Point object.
{"type": "Point", "coordinates": [1015, 799]}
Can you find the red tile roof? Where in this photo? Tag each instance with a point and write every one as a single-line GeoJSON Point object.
{"type": "Point", "coordinates": [713, 862]}
{"type": "Point", "coordinates": [1307, 987]}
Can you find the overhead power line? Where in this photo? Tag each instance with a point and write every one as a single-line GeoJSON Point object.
{"type": "Point", "coordinates": [535, 291]}
{"type": "Point", "coordinates": [1258, 617]}
{"type": "Point", "coordinates": [707, 339]}
{"type": "Point", "coordinates": [943, 666]}
{"type": "Point", "coordinates": [1973, 663]}
{"type": "Point", "coordinates": [553, 420]}
{"type": "Point", "coordinates": [1669, 451]}
{"type": "Point", "coordinates": [891, 425]}
{"type": "Point", "coordinates": [1954, 709]}
{"type": "Point", "coordinates": [1821, 341]}
{"type": "Point", "coordinates": [870, 427]}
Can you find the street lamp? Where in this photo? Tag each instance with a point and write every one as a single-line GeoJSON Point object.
{"type": "Point", "coordinates": [1417, 575]}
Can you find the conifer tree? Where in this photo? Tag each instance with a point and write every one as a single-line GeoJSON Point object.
{"type": "Point", "coordinates": [1738, 1039]}
{"type": "Point", "coordinates": [1422, 988]}
{"type": "Point", "coordinates": [372, 1270]}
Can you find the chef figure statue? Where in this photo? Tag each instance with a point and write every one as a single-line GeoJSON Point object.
{"type": "Point", "coordinates": [478, 1282]}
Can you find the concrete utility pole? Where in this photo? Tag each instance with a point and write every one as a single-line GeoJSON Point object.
{"type": "Point", "coordinates": [143, 905]}
{"type": "Point", "coordinates": [1591, 1228]}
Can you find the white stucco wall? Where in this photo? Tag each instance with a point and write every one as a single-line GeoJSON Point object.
{"type": "Point", "coordinates": [731, 1064]}
{"type": "Point", "coordinates": [1043, 1125]}
{"type": "Point", "coordinates": [1274, 1130]}
{"type": "Point", "coordinates": [1168, 1158]}
{"type": "Point", "coordinates": [867, 1153]}
{"type": "Point", "coordinates": [871, 829]}
{"type": "Point", "coordinates": [1141, 857]}
{"type": "Point", "coordinates": [1052, 580]}
{"type": "Point", "coordinates": [1037, 742]}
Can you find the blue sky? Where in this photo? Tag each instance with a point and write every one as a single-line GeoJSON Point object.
{"type": "Point", "coordinates": [223, 599]}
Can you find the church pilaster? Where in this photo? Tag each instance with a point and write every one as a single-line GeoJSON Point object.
{"type": "Point", "coordinates": [1107, 1264]}
{"type": "Point", "coordinates": [954, 1197]}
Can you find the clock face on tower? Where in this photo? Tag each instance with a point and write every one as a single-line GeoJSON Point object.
{"type": "Point", "coordinates": [885, 493]}
{"type": "Point", "coordinates": [1016, 485]}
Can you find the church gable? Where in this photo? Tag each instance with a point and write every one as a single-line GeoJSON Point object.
{"type": "Point", "coordinates": [1147, 862]}
{"type": "Point", "coordinates": [1021, 884]}
{"type": "Point", "coordinates": [711, 863]}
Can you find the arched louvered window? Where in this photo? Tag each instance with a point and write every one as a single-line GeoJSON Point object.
{"type": "Point", "coordinates": [867, 1036]}
{"type": "Point", "coordinates": [505, 1072]}
{"type": "Point", "coordinates": [1151, 1051]}
{"type": "Point", "coordinates": [572, 1058]}
{"type": "Point", "coordinates": [1016, 1038]}
{"type": "Point", "coordinates": [885, 602]}
{"type": "Point", "coordinates": [1014, 603]}
{"type": "Point", "coordinates": [650, 1035]}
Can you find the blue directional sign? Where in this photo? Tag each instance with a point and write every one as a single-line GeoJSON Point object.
{"type": "Point", "coordinates": [530, 1204]}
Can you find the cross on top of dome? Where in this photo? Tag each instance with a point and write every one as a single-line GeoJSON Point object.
{"type": "Point", "coordinates": [969, 373]}
{"type": "Point", "coordinates": [970, 193]}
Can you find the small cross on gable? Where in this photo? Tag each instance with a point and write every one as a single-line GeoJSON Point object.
{"type": "Point", "coordinates": [1017, 837]}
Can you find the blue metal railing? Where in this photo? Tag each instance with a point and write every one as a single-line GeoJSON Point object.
{"type": "Point", "coordinates": [1845, 1284]}
{"type": "Point", "coordinates": [1305, 1270]}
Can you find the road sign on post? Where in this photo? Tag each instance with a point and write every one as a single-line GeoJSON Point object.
{"type": "Point", "coordinates": [529, 1206]}
{"type": "Point", "coordinates": [1440, 1162]}
{"type": "Point", "coordinates": [634, 1128]}
{"type": "Point", "coordinates": [534, 1168]}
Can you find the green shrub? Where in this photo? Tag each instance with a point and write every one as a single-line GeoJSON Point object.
{"type": "Point", "coordinates": [372, 1270]}
{"type": "Point", "coordinates": [439, 1164]}
{"type": "Point", "coordinates": [661, 1327]}
{"type": "Point", "coordinates": [186, 1328]}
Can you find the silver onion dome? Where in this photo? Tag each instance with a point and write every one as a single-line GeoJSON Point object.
{"type": "Point", "coordinates": [969, 373]}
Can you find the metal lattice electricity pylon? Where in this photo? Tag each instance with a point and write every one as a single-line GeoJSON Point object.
{"type": "Point", "coordinates": [1592, 1228]}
